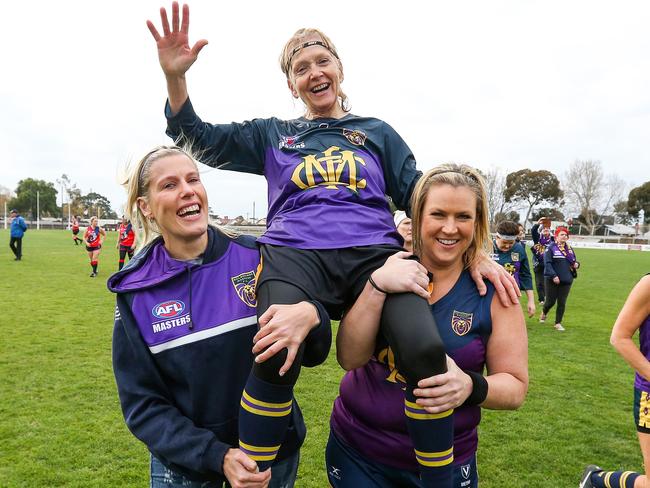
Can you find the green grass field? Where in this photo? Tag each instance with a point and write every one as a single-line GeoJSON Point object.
{"type": "Point", "coordinates": [61, 425]}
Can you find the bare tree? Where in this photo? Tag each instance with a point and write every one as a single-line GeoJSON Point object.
{"type": "Point", "coordinates": [591, 193]}
{"type": "Point", "coordinates": [495, 183]}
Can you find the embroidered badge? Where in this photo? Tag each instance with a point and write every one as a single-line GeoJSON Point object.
{"type": "Point", "coordinates": [461, 322]}
{"type": "Point", "coordinates": [514, 256]}
{"type": "Point", "coordinates": [356, 137]}
{"type": "Point", "coordinates": [290, 142]}
{"type": "Point", "coordinates": [510, 268]}
{"type": "Point", "coordinates": [464, 469]}
{"type": "Point", "coordinates": [245, 287]}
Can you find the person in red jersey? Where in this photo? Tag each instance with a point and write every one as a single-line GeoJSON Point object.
{"type": "Point", "coordinates": [125, 241]}
{"type": "Point", "coordinates": [75, 230]}
{"type": "Point", "coordinates": [94, 237]}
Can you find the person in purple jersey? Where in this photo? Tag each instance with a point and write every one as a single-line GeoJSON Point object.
{"type": "Point", "coordinates": [635, 315]}
{"type": "Point", "coordinates": [185, 324]}
{"type": "Point", "coordinates": [329, 221]}
{"type": "Point", "coordinates": [560, 269]}
{"type": "Point", "coordinates": [369, 444]}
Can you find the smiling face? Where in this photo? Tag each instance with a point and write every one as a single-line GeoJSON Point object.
{"type": "Point", "coordinates": [447, 225]}
{"type": "Point", "coordinates": [178, 203]}
{"type": "Point", "coordinates": [315, 77]}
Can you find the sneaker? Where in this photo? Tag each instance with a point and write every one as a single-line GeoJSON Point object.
{"type": "Point", "coordinates": [542, 318]}
{"type": "Point", "coordinates": [559, 327]}
{"type": "Point", "coordinates": [585, 481]}
{"type": "Point", "coordinates": [93, 274]}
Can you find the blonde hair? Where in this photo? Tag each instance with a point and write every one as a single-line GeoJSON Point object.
{"type": "Point", "coordinates": [137, 186]}
{"type": "Point", "coordinates": [298, 38]}
{"type": "Point", "coordinates": [456, 175]}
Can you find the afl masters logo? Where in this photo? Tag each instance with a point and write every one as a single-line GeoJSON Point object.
{"type": "Point", "coordinates": [461, 322]}
{"type": "Point", "coordinates": [245, 287]}
{"type": "Point", "coordinates": [168, 309]}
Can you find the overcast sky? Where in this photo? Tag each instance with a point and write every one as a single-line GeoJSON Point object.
{"type": "Point", "coordinates": [514, 84]}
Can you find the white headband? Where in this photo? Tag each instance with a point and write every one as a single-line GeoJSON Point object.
{"type": "Point", "coordinates": [507, 238]}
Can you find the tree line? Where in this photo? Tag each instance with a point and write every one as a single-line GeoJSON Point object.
{"type": "Point", "coordinates": [585, 194]}
{"type": "Point", "coordinates": [74, 202]}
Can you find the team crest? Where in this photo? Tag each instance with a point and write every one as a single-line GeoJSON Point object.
{"type": "Point", "coordinates": [514, 256]}
{"type": "Point", "coordinates": [465, 470]}
{"type": "Point", "coordinates": [356, 137]}
{"type": "Point", "coordinates": [245, 287]}
{"type": "Point", "coordinates": [461, 322]}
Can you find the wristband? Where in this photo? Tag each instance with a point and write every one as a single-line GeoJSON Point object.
{"type": "Point", "coordinates": [374, 285]}
{"type": "Point", "coordinates": [479, 389]}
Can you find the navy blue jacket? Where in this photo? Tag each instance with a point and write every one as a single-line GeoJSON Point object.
{"type": "Point", "coordinates": [555, 264]}
{"type": "Point", "coordinates": [182, 352]}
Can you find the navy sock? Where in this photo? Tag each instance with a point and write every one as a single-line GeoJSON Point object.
{"type": "Point", "coordinates": [614, 479]}
{"type": "Point", "coordinates": [264, 414]}
{"type": "Point", "coordinates": [433, 439]}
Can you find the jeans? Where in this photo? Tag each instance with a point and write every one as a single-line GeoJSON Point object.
{"type": "Point", "coordinates": [283, 475]}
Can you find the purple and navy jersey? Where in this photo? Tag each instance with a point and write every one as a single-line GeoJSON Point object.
{"type": "Point", "coordinates": [515, 262]}
{"type": "Point", "coordinates": [168, 316]}
{"type": "Point", "coordinates": [327, 178]}
{"type": "Point", "coordinates": [644, 344]}
{"type": "Point", "coordinates": [369, 416]}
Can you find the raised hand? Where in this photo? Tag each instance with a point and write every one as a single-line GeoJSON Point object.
{"type": "Point", "coordinates": [174, 52]}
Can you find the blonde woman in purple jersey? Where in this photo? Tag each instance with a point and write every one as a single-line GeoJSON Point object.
{"type": "Point", "coordinates": [635, 315]}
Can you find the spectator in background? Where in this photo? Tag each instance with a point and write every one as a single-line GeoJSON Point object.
{"type": "Point", "coordinates": [560, 268]}
{"type": "Point", "coordinates": [403, 224]}
{"type": "Point", "coordinates": [542, 237]}
{"type": "Point", "coordinates": [18, 228]}
{"type": "Point", "coordinates": [511, 254]}
{"type": "Point", "coordinates": [521, 234]}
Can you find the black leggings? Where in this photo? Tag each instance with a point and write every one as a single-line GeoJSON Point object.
{"type": "Point", "coordinates": [556, 292]}
{"type": "Point", "coordinates": [406, 322]}
{"type": "Point", "coordinates": [310, 353]}
{"type": "Point", "coordinates": [539, 282]}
